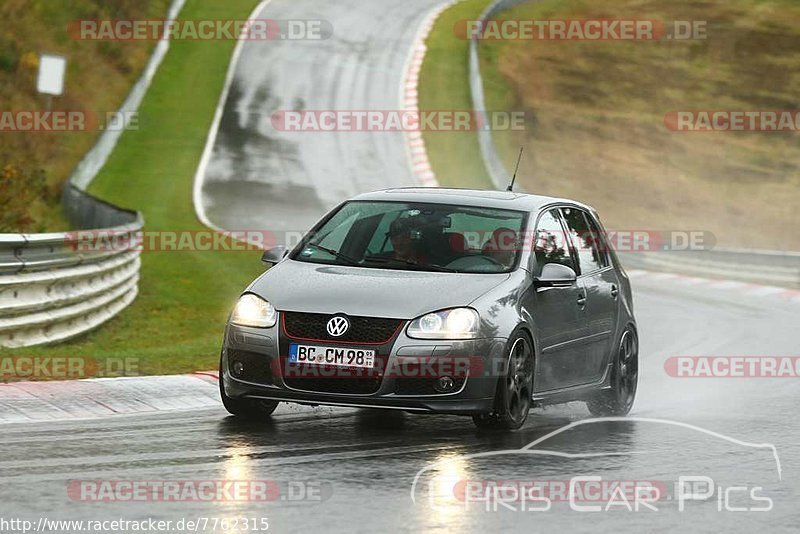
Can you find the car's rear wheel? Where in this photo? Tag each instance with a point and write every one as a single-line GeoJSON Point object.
{"type": "Point", "coordinates": [514, 390]}
{"type": "Point", "coordinates": [247, 408]}
{"type": "Point", "coordinates": [618, 400]}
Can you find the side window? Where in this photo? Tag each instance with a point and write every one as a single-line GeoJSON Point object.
{"type": "Point", "coordinates": [584, 239]}
{"type": "Point", "coordinates": [598, 243]}
{"type": "Point", "coordinates": [551, 244]}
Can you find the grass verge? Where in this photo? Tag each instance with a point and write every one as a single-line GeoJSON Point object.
{"type": "Point", "coordinates": [596, 130]}
{"type": "Point", "coordinates": [443, 85]}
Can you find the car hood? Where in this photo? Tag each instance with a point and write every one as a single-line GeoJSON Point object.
{"type": "Point", "coordinates": [311, 287]}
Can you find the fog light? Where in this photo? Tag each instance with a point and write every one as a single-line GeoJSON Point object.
{"type": "Point", "coordinates": [444, 384]}
{"type": "Point", "coordinates": [237, 368]}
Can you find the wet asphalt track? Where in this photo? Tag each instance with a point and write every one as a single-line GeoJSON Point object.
{"type": "Point", "coordinates": [255, 167]}
{"type": "Point", "coordinates": [365, 462]}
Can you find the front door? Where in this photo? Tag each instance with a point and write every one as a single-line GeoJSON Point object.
{"type": "Point", "coordinates": [557, 311]}
{"type": "Point", "coordinates": [599, 281]}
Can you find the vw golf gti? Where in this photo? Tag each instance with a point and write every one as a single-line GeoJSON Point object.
{"type": "Point", "coordinates": [457, 301]}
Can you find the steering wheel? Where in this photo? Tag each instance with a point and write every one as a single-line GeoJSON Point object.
{"type": "Point", "coordinates": [469, 261]}
{"type": "Point", "coordinates": [490, 259]}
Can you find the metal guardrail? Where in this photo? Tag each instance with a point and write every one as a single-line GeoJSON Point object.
{"type": "Point", "coordinates": [759, 266]}
{"type": "Point", "coordinates": [51, 289]}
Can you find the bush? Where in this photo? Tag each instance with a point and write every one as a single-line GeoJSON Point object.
{"type": "Point", "coordinates": [21, 191]}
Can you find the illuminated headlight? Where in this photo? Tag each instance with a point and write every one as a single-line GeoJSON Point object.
{"type": "Point", "coordinates": [457, 323]}
{"type": "Point", "coordinates": [254, 311]}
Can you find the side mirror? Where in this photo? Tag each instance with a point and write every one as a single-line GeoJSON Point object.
{"type": "Point", "coordinates": [556, 275]}
{"type": "Point", "coordinates": [275, 254]}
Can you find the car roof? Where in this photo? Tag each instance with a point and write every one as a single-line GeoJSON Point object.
{"type": "Point", "coordinates": [468, 197]}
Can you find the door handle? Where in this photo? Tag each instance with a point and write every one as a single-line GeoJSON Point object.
{"type": "Point", "coordinates": [614, 291]}
{"type": "Point", "coordinates": [581, 299]}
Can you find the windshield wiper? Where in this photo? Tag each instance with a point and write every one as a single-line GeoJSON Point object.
{"type": "Point", "coordinates": [338, 255]}
{"type": "Point", "coordinates": [420, 266]}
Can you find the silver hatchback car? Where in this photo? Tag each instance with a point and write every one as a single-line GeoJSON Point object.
{"type": "Point", "coordinates": [479, 303]}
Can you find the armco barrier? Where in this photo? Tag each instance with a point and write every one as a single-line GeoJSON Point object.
{"type": "Point", "coordinates": [50, 290]}
{"type": "Point", "coordinates": [758, 266]}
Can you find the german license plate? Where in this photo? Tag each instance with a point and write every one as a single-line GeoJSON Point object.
{"type": "Point", "coordinates": [337, 356]}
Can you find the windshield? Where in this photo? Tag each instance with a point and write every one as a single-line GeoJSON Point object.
{"type": "Point", "coordinates": [417, 236]}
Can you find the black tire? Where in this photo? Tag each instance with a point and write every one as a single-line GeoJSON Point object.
{"type": "Point", "coordinates": [245, 408]}
{"type": "Point", "coordinates": [514, 393]}
{"type": "Point", "coordinates": [619, 400]}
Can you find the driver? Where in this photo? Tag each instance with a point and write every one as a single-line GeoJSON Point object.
{"type": "Point", "coordinates": [502, 246]}
{"type": "Point", "coordinates": [406, 237]}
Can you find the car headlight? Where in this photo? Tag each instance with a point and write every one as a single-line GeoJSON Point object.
{"type": "Point", "coordinates": [252, 310]}
{"type": "Point", "coordinates": [456, 323]}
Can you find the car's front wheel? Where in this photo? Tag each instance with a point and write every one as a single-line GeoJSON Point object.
{"type": "Point", "coordinates": [514, 390]}
{"type": "Point", "coordinates": [618, 400]}
{"type": "Point", "coordinates": [248, 408]}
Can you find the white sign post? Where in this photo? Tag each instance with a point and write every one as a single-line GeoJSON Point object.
{"type": "Point", "coordinates": [50, 81]}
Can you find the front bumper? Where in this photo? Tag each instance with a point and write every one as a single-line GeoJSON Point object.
{"type": "Point", "coordinates": [411, 364]}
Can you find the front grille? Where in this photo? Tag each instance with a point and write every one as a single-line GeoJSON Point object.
{"type": "Point", "coordinates": [257, 368]}
{"type": "Point", "coordinates": [312, 326]}
{"type": "Point", "coordinates": [423, 386]}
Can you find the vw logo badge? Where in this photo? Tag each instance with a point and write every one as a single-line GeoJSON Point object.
{"type": "Point", "coordinates": [338, 326]}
